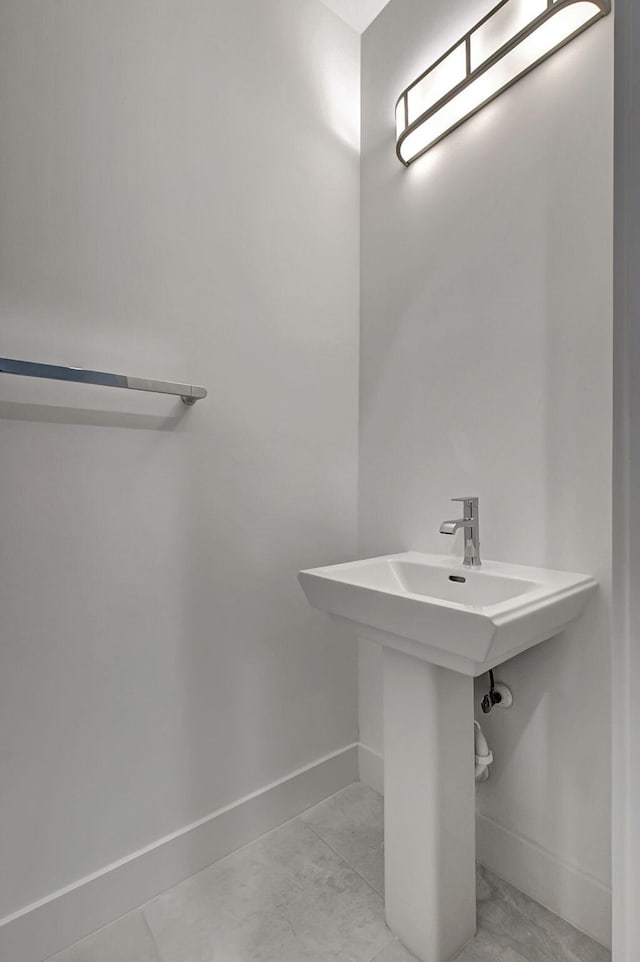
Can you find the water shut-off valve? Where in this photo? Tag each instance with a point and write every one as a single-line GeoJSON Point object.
{"type": "Point", "coordinates": [498, 694]}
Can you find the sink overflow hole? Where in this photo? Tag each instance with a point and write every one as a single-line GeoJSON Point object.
{"type": "Point", "coordinates": [458, 578]}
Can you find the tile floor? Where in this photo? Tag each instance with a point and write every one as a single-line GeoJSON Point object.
{"type": "Point", "coordinates": [311, 891]}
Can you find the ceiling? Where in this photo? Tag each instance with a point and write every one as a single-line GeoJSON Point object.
{"type": "Point", "coordinates": [357, 13]}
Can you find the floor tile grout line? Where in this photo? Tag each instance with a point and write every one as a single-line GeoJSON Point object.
{"type": "Point", "coordinates": [136, 910]}
{"type": "Point", "coordinates": [525, 905]}
{"type": "Point", "coordinates": [345, 860]}
{"type": "Point", "coordinates": [500, 938]}
{"type": "Point", "coordinates": [384, 948]}
{"type": "Point", "coordinates": [359, 874]}
{"type": "Point", "coordinates": [156, 945]}
{"type": "Point", "coordinates": [396, 941]}
{"type": "Point", "coordinates": [141, 907]}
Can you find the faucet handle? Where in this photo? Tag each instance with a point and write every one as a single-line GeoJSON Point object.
{"type": "Point", "coordinates": [470, 506]}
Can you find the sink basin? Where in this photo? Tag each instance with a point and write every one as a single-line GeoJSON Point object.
{"type": "Point", "coordinates": [434, 608]}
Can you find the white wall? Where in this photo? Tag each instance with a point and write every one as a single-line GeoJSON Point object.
{"type": "Point", "coordinates": [486, 369]}
{"type": "Point", "coordinates": [178, 199]}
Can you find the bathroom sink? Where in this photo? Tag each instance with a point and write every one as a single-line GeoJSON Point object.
{"type": "Point", "coordinates": [440, 623]}
{"type": "Point", "coordinates": [440, 611]}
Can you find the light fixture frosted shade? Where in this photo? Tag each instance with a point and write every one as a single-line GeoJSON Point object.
{"type": "Point", "coordinates": [505, 45]}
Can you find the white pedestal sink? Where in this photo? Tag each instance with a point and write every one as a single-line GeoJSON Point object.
{"type": "Point", "coordinates": [440, 624]}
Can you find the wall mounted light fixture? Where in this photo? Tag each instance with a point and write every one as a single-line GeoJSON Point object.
{"type": "Point", "coordinates": [504, 46]}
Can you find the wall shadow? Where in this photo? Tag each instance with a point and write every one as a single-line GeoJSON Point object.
{"type": "Point", "coordinates": [52, 414]}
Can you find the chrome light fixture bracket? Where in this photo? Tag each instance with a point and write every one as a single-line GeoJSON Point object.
{"type": "Point", "coordinates": [504, 46]}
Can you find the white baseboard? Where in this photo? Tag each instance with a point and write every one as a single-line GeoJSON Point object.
{"type": "Point", "coordinates": [371, 768]}
{"type": "Point", "coordinates": [47, 926]}
{"type": "Point", "coordinates": [563, 888]}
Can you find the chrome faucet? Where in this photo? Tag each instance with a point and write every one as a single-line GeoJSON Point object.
{"type": "Point", "coordinates": [471, 525]}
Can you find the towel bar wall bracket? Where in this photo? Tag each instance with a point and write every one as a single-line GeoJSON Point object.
{"type": "Point", "coordinates": [189, 393]}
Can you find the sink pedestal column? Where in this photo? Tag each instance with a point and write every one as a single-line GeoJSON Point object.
{"type": "Point", "coordinates": [429, 821]}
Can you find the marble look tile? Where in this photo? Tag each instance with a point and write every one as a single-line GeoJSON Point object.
{"type": "Point", "coordinates": [352, 823]}
{"type": "Point", "coordinates": [286, 898]}
{"type": "Point", "coordinates": [300, 894]}
{"type": "Point", "coordinates": [517, 923]}
{"type": "Point", "coordinates": [482, 948]}
{"type": "Point", "coordinates": [513, 928]}
{"type": "Point", "coordinates": [486, 948]}
{"type": "Point", "coordinates": [127, 940]}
